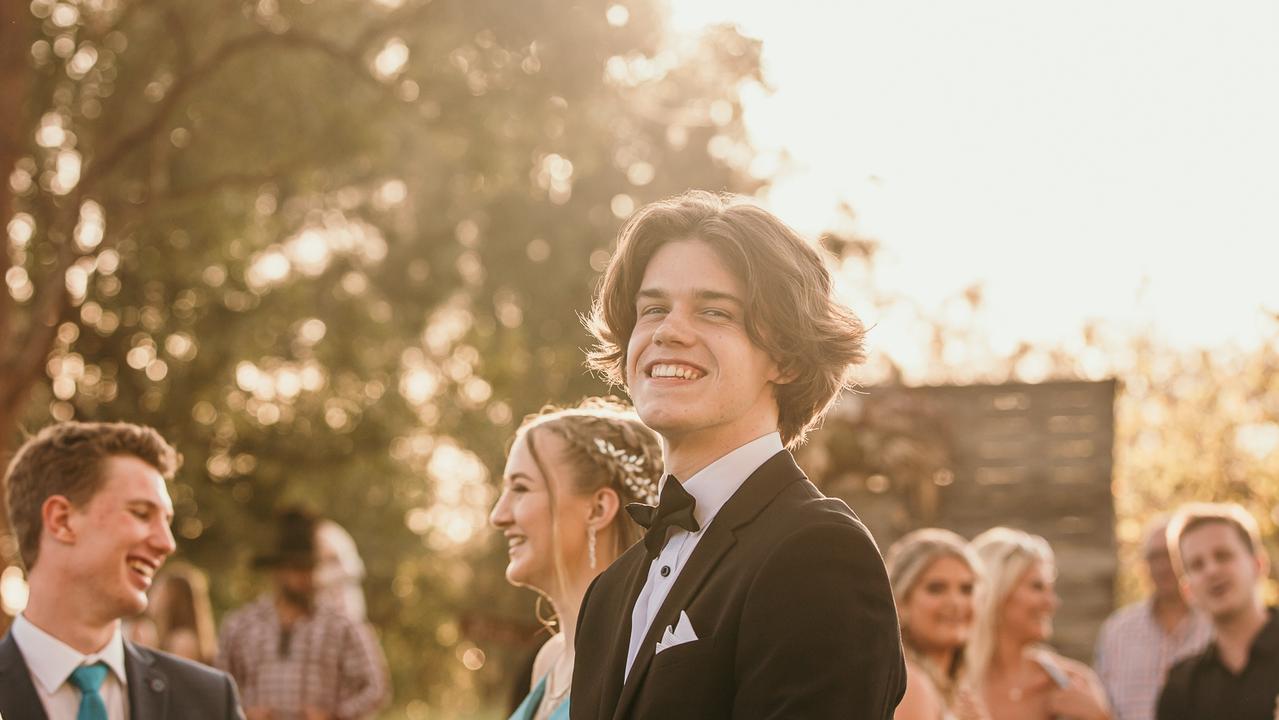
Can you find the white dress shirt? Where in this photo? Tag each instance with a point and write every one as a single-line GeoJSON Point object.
{"type": "Point", "coordinates": [711, 488]}
{"type": "Point", "coordinates": [51, 662]}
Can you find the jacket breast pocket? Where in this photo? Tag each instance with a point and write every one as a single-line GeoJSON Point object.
{"type": "Point", "coordinates": [686, 681]}
{"type": "Point", "coordinates": [684, 653]}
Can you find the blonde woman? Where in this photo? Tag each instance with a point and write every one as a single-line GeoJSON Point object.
{"type": "Point", "coordinates": [569, 475]}
{"type": "Point", "coordinates": [934, 577]}
{"type": "Point", "coordinates": [1018, 677]}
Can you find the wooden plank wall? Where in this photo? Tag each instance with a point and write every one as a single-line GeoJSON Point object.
{"type": "Point", "coordinates": [1034, 457]}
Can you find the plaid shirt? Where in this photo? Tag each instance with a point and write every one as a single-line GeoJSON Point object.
{"type": "Point", "coordinates": [325, 661]}
{"type": "Point", "coordinates": [1134, 655]}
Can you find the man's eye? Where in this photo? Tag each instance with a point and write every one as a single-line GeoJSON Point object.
{"type": "Point", "coordinates": [651, 310]}
{"type": "Point", "coordinates": [719, 314]}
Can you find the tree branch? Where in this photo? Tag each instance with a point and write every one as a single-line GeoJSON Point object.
{"type": "Point", "coordinates": [352, 57]}
{"type": "Point", "coordinates": [52, 303]}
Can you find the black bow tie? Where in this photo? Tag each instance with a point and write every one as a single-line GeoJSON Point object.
{"type": "Point", "coordinates": [674, 509]}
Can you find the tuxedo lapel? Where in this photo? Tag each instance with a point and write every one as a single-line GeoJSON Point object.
{"type": "Point", "coordinates": [636, 574]}
{"type": "Point", "coordinates": [712, 546]}
{"type": "Point", "coordinates": [148, 687]}
{"type": "Point", "coordinates": [18, 697]}
{"type": "Point", "coordinates": [750, 499]}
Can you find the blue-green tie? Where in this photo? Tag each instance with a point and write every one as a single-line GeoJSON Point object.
{"type": "Point", "coordinates": [89, 678]}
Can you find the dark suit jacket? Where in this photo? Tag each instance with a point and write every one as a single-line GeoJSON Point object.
{"type": "Point", "coordinates": [161, 687]}
{"type": "Point", "coordinates": [791, 604]}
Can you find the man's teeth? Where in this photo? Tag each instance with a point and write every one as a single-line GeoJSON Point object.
{"type": "Point", "coordinates": [141, 568]}
{"type": "Point", "coordinates": [679, 371]}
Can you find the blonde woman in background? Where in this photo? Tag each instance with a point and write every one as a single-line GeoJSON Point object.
{"type": "Point", "coordinates": [934, 577]}
{"type": "Point", "coordinates": [569, 475]}
{"type": "Point", "coordinates": [1020, 678]}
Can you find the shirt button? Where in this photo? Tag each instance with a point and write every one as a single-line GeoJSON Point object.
{"type": "Point", "coordinates": [666, 571]}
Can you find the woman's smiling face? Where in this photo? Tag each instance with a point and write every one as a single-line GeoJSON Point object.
{"type": "Point", "coordinates": [538, 516]}
{"type": "Point", "coordinates": [938, 612]}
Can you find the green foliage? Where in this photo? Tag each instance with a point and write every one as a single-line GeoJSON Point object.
{"type": "Point", "coordinates": [335, 278]}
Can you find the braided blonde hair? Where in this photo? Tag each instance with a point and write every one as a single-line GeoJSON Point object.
{"type": "Point", "coordinates": [605, 446]}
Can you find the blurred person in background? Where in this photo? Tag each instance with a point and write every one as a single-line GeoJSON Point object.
{"type": "Point", "coordinates": [568, 477]}
{"type": "Point", "coordinates": [180, 616]}
{"type": "Point", "coordinates": [1139, 643]}
{"type": "Point", "coordinates": [89, 506]}
{"type": "Point", "coordinates": [1018, 676]}
{"type": "Point", "coordinates": [934, 575]}
{"type": "Point", "coordinates": [1218, 554]}
{"type": "Point", "coordinates": [292, 658]}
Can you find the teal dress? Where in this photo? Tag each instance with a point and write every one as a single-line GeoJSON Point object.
{"type": "Point", "coordinates": [529, 706]}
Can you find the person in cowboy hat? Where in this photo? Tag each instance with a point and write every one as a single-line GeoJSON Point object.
{"type": "Point", "coordinates": [292, 658]}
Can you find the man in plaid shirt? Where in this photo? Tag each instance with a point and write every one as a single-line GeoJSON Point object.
{"type": "Point", "coordinates": [293, 660]}
{"type": "Point", "coordinates": [1139, 643]}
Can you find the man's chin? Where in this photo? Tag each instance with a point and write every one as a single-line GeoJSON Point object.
{"type": "Point", "coordinates": [665, 421]}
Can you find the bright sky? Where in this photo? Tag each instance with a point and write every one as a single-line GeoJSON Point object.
{"type": "Point", "coordinates": [1090, 159]}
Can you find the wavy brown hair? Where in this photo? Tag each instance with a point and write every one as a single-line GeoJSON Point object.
{"type": "Point", "coordinates": [66, 459]}
{"type": "Point", "coordinates": [791, 313]}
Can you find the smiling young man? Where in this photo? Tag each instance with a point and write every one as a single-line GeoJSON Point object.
{"type": "Point", "coordinates": [752, 595]}
{"type": "Point", "coordinates": [89, 507]}
{"type": "Point", "coordinates": [1218, 553]}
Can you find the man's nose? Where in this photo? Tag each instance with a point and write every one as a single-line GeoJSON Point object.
{"type": "Point", "coordinates": [164, 540]}
{"type": "Point", "coordinates": [673, 329]}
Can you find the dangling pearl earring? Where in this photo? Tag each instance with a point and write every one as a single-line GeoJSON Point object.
{"type": "Point", "coordinates": [590, 545]}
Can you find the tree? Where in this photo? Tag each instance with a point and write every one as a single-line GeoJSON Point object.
{"type": "Point", "coordinates": [334, 251]}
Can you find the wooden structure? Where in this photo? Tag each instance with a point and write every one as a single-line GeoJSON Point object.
{"type": "Point", "coordinates": [1033, 457]}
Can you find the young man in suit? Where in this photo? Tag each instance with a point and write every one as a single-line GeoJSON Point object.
{"type": "Point", "coordinates": [91, 512]}
{"type": "Point", "coordinates": [752, 595]}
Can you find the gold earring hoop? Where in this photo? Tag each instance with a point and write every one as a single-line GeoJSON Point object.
{"type": "Point", "coordinates": [550, 622]}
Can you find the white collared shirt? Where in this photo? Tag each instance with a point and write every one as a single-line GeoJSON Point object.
{"type": "Point", "coordinates": [711, 488]}
{"type": "Point", "coordinates": [51, 662]}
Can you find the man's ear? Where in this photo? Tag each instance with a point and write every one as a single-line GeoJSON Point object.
{"type": "Point", "coordinates": [55, 516]}
{"type": "Point", "coordinates": [604, 507]}
{"type": "Point", "coordinates": [1263, 563]}
{"type": "Point", "coordinates": [783, 375]}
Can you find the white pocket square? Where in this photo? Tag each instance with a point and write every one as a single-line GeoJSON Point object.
{"type": "Point", "coordinates": [680, 634]}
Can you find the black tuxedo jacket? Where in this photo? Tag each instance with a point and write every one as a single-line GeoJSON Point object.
{"type": "Point", "coordinates": [161, 687]}
{"type": "Point", "coordinates": [789, 599]}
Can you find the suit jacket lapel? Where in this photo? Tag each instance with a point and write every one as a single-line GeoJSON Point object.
{"type": "Point", "coordinates": [636, 572]}
{"type": "Point", "coordinates": [18, 697]}
{"type": "Point", "coordinates": [752, 497]}
{"type": "Point", "coordinates": [148, 687]}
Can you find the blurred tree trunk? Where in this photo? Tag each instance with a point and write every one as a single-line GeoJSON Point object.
{"type": "Point", "coordinates": [15, 32]}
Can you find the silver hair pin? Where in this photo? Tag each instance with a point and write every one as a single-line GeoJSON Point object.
{"type": "Point", "coordinates": [634, 477]}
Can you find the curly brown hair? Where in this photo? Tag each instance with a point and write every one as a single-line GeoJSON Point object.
{"type": "Point", "coordinates": [790, 310]}
{"type": "Point", "coordinates": [66, 459]}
